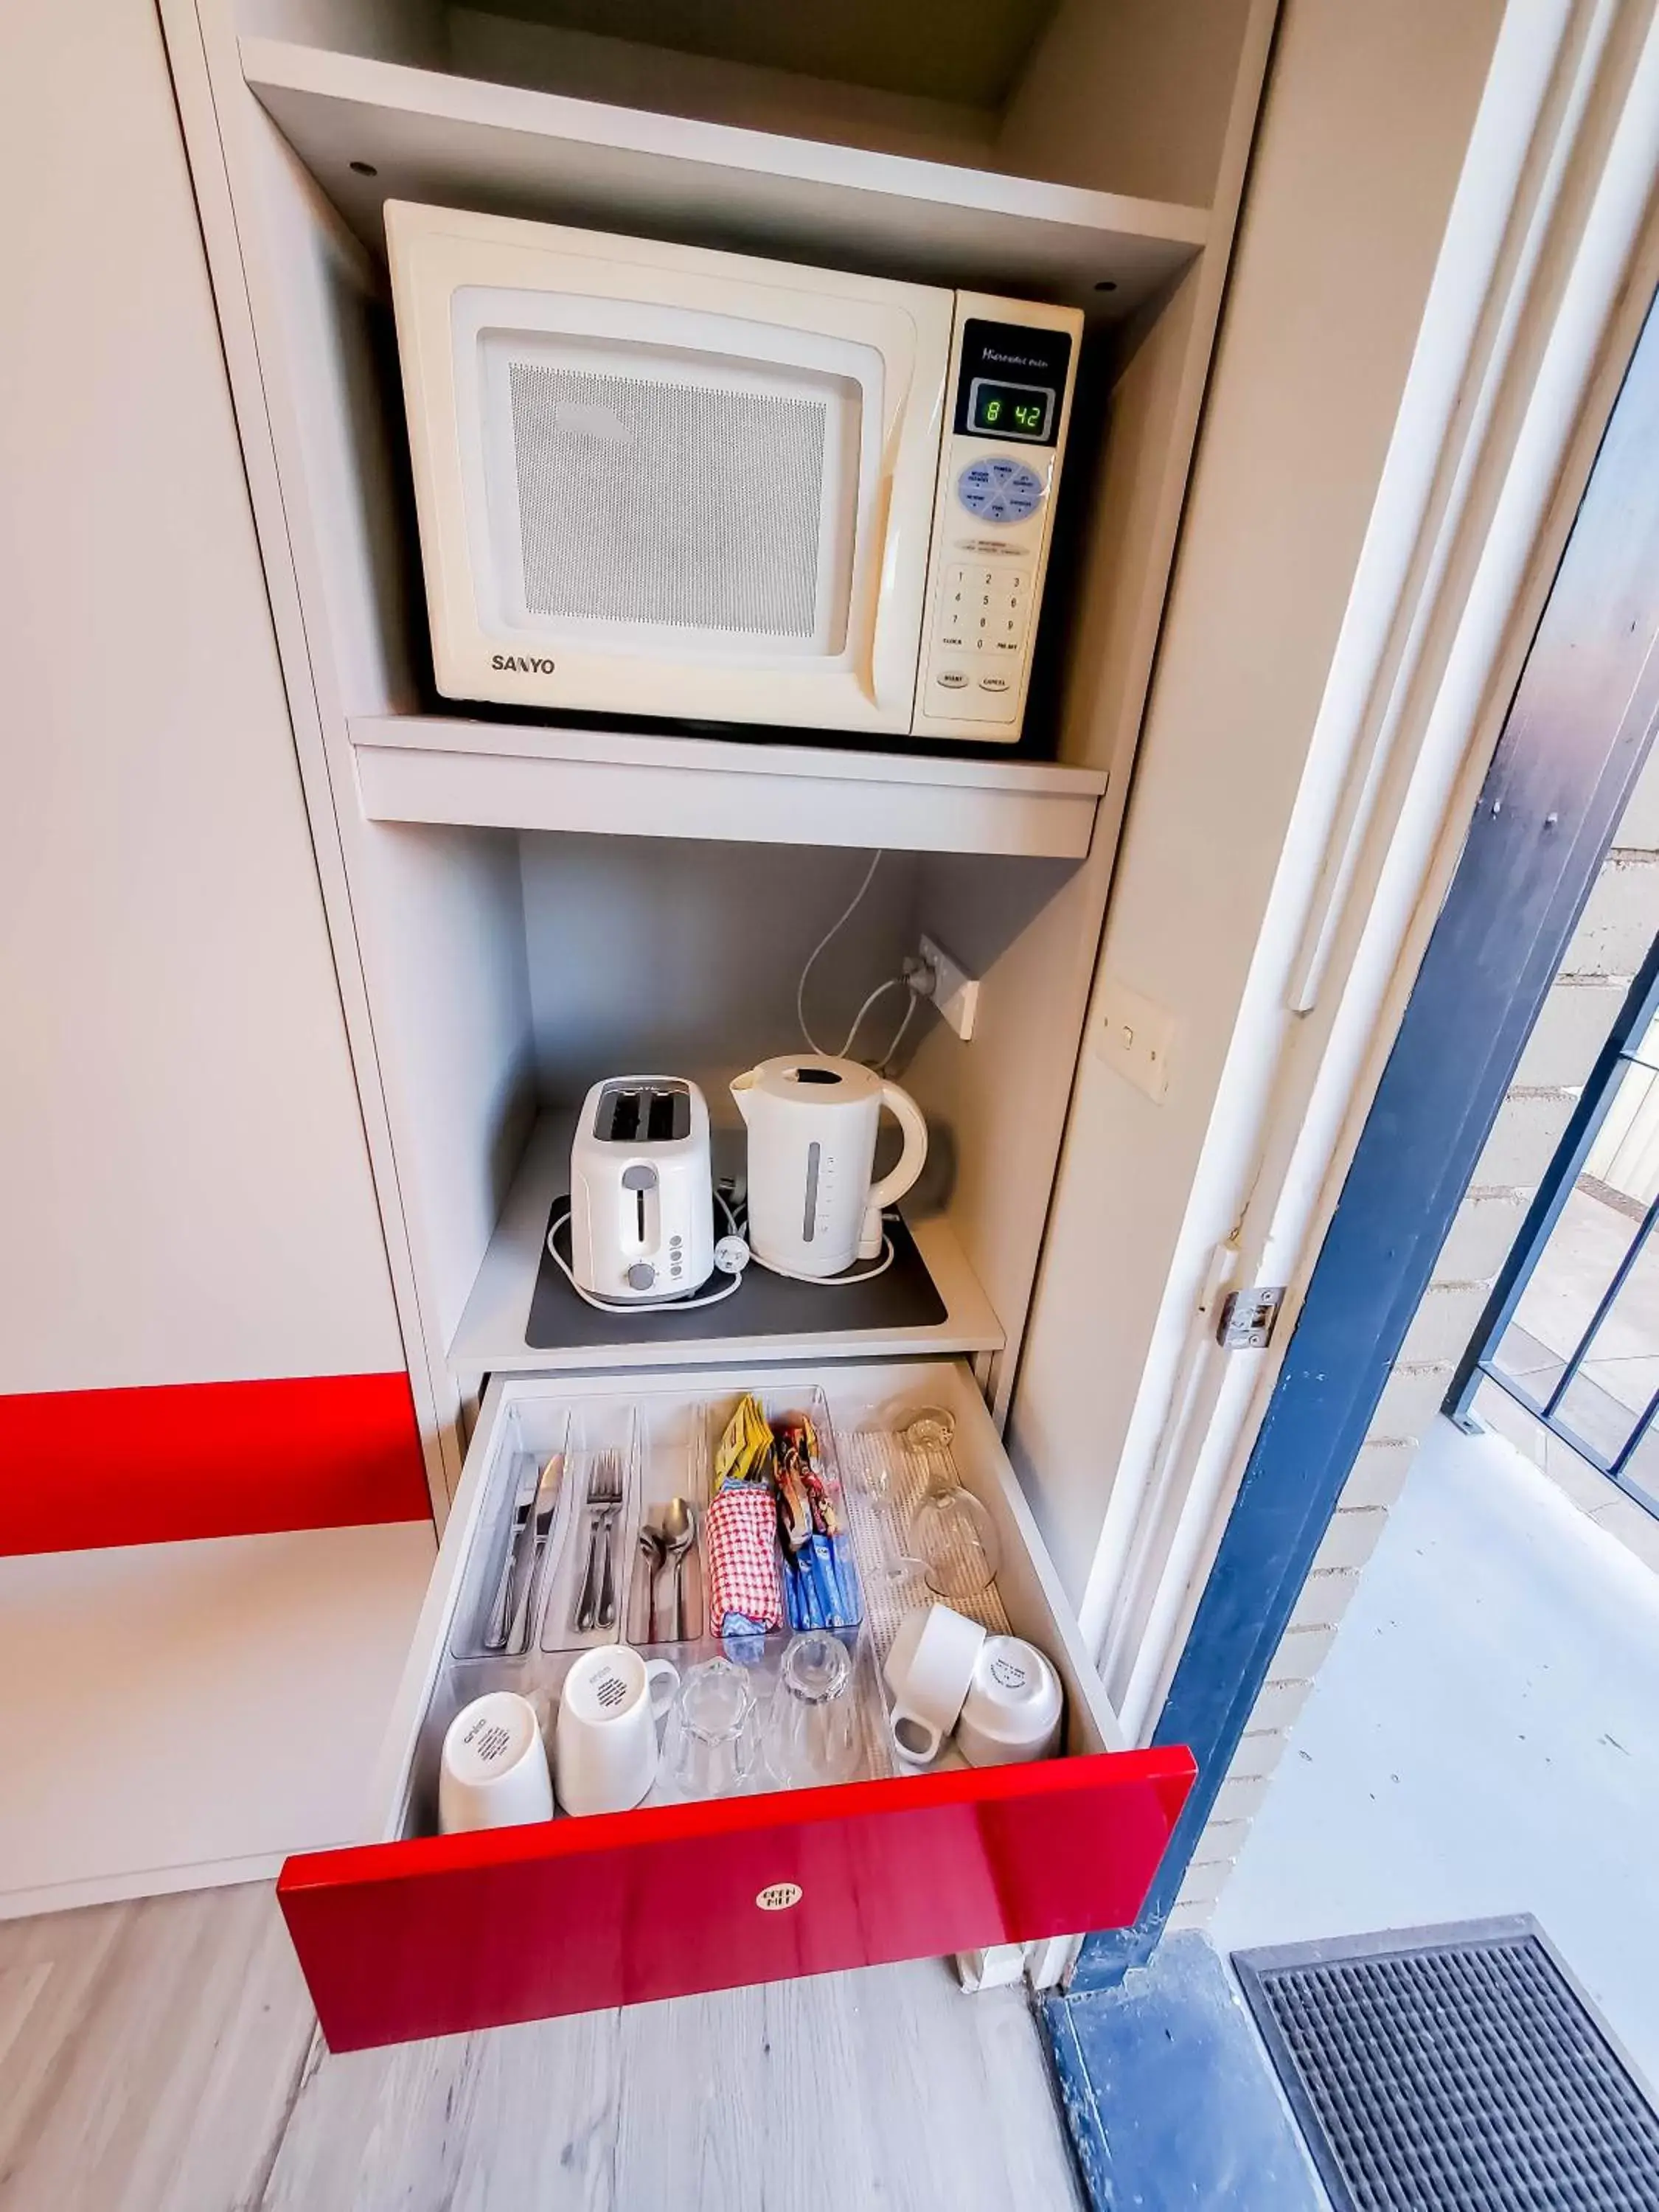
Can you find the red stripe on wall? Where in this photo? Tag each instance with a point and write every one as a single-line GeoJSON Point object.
{"type": "Point", "coordinates": [80, 1469]}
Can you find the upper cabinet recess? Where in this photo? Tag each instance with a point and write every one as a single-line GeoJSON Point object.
{"type": "Point", "coordinates": [1063, 174]}
{"type": "Point", "coordinates": [1071, 152]}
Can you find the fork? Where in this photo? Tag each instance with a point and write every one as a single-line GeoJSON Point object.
{"type": "Point", "coordinates": [598, 1604]}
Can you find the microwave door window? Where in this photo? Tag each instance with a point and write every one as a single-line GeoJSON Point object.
{"type": "Point", "coordinates": [672, 502]}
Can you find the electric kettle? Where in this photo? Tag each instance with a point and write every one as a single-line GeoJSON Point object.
{"type": "Point", "coordinates": [811, 1122]}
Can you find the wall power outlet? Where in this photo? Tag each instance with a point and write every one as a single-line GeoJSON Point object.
{"type": "Point", "coordinates": [955, 993]}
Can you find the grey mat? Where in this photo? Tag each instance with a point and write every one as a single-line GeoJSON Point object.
{"type": "Point", "coordinates": [1453, 2070]}
{"type": "Point", "coordinates": [904, 1297]}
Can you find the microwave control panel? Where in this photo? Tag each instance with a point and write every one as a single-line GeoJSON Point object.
{"type": "Point", "coordinates": [1010, 397]}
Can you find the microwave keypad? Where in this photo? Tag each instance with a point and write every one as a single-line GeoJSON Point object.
{"type": "Point", "coordinates": [1000, 491]}
{"type": "Point", "coordinates": [984, 613]}
{"type": "Point", "coordinates": [984, 609]}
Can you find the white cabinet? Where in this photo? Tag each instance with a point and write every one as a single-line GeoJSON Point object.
{"type": "Point", "coordinates": [183, 1183]}
{"type": "Point", "coordinates": [518, 907]}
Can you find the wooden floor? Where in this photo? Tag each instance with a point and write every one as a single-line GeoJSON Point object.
{"type": "Point", "coordinates": [162, 2055]}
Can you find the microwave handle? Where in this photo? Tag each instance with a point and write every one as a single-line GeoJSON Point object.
{"type": "Point", "coordinates": [892, 656]}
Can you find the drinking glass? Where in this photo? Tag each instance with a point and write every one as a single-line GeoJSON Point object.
{"type": "Point", "coordinates": [714, 1746]}
{"type": "Point", "coordinates": [812, 1729]}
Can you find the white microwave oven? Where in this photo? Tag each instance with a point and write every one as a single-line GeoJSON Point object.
{"type": "Point", "coordinates": [654, 480]}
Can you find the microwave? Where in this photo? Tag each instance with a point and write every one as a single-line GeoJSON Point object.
{"type": "Point", "coordinates": [652, 479]}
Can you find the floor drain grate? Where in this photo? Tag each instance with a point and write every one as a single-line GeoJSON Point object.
{"type": "Point", "coordinates": [1453, 2070]}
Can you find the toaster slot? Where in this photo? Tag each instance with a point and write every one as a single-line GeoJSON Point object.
{"type": "Point", "coordinates": [643, 1113]}
{"type": "Point", "coordinates": [619, 1115]}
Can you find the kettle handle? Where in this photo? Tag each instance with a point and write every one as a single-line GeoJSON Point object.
{"type": "Point", "coordinates": [908, 1115]}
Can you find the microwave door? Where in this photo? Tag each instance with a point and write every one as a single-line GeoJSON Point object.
{"type": "Point", "coordinates": [669, 491]}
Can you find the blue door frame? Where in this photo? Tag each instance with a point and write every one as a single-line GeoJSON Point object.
{"type": "Point", "coordinates": [1576, 733]}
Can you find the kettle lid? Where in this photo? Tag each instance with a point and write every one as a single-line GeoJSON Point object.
{"type": "Point", "coordinates": [816, 1078]}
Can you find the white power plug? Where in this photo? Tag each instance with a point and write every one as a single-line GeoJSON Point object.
{"type": "Point", "coordinates": [954, 992]}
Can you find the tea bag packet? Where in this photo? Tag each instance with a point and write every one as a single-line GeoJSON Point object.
{"type": "Point", "coordinates": [745, 1446]}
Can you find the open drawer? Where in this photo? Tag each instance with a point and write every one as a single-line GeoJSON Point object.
{"type": "Point", "coordinates": [418, 1934]}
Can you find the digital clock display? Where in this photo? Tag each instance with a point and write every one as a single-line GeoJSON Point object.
{"type": "Point", "coordinates": [1010, 410]}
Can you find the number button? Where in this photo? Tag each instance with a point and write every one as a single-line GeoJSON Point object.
{"type": "Point", "coordinates": [1006, 609]}
{"type": "Point", "coordinates": [969, 606]}
{"type": "Point", "coordinates": [953, 608]}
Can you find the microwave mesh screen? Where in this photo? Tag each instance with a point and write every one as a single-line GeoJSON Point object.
{"type": "Point", "coordinates": [643, 501]}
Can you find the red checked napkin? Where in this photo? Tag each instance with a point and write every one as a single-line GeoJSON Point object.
{"type": "Point", "coordinates": [740, 1530]}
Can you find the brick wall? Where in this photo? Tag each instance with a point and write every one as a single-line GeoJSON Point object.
{"type": "Point", "coordinates": [1617, 926]}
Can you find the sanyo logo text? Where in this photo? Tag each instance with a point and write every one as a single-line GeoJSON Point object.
{"type": "Point", "coordinates": [522, 664]}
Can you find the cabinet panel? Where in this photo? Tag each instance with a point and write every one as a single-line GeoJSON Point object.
{"type": "Point", "coordinates": [184, 1183]}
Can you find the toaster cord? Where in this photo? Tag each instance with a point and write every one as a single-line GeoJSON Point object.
{"type": "Point", "coordinates": [708, 1298]}
{"type": "Point", "coordinates": [682, 1304]}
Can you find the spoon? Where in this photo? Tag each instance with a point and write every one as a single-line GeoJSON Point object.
{"type": "Point", "coordinates": [679, 1529]}
{"type": "Point", "coordinates": [653, 1549]}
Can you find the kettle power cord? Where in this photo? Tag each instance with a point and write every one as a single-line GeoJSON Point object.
{"type": "Point", "coordinates": [916, 976]}
{"type": "Point", "coordinates": [822, 944]}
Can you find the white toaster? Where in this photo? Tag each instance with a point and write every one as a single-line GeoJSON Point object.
{"type": "Point", "coordinates": [641, 1190]}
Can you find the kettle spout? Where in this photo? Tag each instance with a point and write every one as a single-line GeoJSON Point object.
{"type": "Point", "coordinates": [741, 1087]}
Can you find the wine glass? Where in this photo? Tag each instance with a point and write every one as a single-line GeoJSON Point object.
{"type": "Point", "coordinates": [872, 1456]}
{"type": "Point", "coordinates": [952, 1538]}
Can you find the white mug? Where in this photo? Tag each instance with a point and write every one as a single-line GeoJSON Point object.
{"type": "Point", "coordinates": [928, 1670]}
{"type": "Point", "coordinates": [1011, 1711]}
{"type": "Point", "coordinates": [493, 1772]}
{"type": "Point", "coordinates": [606, 1741]}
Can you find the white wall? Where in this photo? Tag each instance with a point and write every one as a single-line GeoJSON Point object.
{"type": "Point", "coordinates": [639, 953]}
{"type": "Point", "coordinates": [1366, 120]}
{"type": "Point", "coordinates": [184, 1186]}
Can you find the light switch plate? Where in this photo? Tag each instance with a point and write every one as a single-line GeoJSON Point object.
{"type": "Point", "coordinates": [1136, 1036]}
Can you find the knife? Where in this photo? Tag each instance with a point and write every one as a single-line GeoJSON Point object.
{"type": "Point", "coordinates": [536, 1532]}
{"type": "Point", "coordinates": [502, 1612]}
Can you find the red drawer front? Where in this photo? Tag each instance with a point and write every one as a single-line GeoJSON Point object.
{"type": "Point", "coordinates": [207, 1459]}
{"type": "Point", "coordinates": [447, 1933]}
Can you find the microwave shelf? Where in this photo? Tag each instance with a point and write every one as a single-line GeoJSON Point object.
{"type": "Point", "coordinates": [371, 130]}
{"type": "Point", "coordinates": [443, 769]}
{"type": "Point", "coordinates": [935, 1306]}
